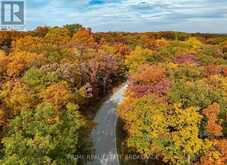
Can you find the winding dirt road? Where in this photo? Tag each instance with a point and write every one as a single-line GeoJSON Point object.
{"type": "Point", "coordinates": [104, 135]}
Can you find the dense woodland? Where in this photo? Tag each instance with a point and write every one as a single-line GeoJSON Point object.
{"type": "Point", "coordinates": [175, 108]}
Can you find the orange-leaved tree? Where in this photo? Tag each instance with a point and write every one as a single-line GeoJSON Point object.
{"type": "Point", "coordinates": [214, 128]}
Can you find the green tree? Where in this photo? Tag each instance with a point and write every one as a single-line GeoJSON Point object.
{"type": "Point", "coordinates": [73, 28]}
{"type": "Point", "coordinates": [58, 37]}
{"type": "Point", "coordinates": [41, 137]}
{"type": "Point", "coordinates": [196, 94]}
{"type": "Point", "coordinates": [35, 77]}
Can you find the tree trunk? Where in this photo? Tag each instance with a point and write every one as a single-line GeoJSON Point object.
{"type": "Point", "coordinates": [104, 86]}
{"type": "Point", "coordinates": [189, 159]}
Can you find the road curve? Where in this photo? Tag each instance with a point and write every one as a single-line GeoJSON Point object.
{"type": "Point", "coordinates": [104, 135]}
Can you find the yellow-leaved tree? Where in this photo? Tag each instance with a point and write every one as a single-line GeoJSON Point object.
{"type": "Point", "coordinates": [136, 58]}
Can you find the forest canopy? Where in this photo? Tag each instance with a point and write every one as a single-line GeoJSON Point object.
{"type": "Point", "coordinates": [175, 108]}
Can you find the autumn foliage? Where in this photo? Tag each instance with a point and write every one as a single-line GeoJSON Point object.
{"type": "Point", "coordinates": [217, 155]}
{"type": "Point", "coordinates": [175, 105]}
{"type": "Point", "coordinates": [213, 127]}
{"type": "Point", "coordinates": [51, 79]}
